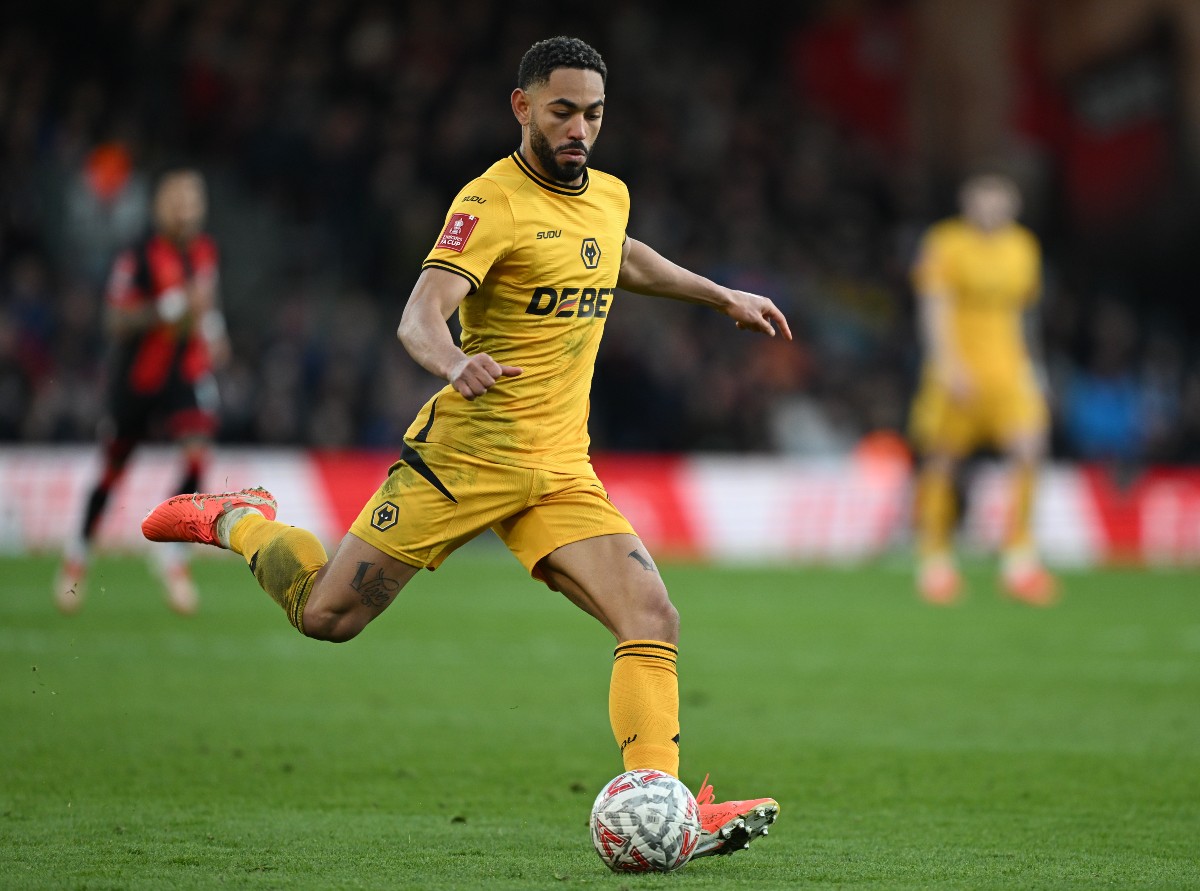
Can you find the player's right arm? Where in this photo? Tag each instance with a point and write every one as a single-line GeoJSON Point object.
{"type": "Point", "coordinates": [126, 310]}
{"type": "Point", "coordinates": [424, 333]}
{"type": "Point", "coordinates": [933, 314]}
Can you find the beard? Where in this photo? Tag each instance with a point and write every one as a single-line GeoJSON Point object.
{"type": "Point", "coordinates": [563, 173]}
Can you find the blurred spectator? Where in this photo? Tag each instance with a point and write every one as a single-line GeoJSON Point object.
{"type": "Point", "coordinates": [106, 209]}
{"type": "Point", "coordinates": [1103, 410]}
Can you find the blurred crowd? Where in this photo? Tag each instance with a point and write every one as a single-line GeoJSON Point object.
{"type": "Point", "coordinates": [782, 153]}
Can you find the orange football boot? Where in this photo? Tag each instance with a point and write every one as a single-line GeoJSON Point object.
{"type": "Point", "coordinates": [938, 581]}
{"type": "Point", "coordinates": [729, 826]}
{"type": "Point", "coordinates": [1032, 584]}
{"type": "Point", "coordinates": [194, 517]}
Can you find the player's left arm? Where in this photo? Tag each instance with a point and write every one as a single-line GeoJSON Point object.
{"type": "Point", "coordinates": [204, 304]}
{"type": "Point", "coordinates": [1031, 322]}
{"type": "Point", "coordinates": [645, 271]}
{"type": "Point", "coordinates": [1031, 325]}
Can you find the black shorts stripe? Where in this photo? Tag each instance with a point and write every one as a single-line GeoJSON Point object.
{"type": "Point", "coordinates": [410, 456]}
{"type": "Point", "coordinates": [424, 434]}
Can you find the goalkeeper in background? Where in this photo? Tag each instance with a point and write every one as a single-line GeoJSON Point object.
{"type": "Point", "coordinates": [975, 277]}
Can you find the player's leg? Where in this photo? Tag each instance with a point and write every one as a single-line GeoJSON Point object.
{"type": "Point", "coordinates": [324, 599]}
{"type": "Point", "coordinates": [196, 452]}
{"type": "Point", "coordinates": [117, 451]}
{"type": "Point", "coordinates": [613, 578]}
{"type": "Point", "coordinates": [412, 520]}
{"type": "Point", "coordinates": [190, 411]}
{"type": "Point", "coordinates": [938, 579]}
{"type": "Point", "coordinates": [1023, 576]}
{"type": "Point", "coordinates": [942, 431]}
{"type": "Point", "coordinates": [632, 603]}
{"type": "Point", "coordinates": [125, 428]}
{"type": "Point", "coordinates": [576, 541]}
{"type": "Point", "coordinates": [171, 560]}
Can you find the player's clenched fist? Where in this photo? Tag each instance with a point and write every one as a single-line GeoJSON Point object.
{"type": "Point", "coordinates": [475, 375]}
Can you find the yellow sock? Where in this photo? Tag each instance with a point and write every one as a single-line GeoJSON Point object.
{"type": "Point", "coordinates": [283, 558]}
{"type": "Point", "coordinates": [643, 705]}
{"type": "Point", "coordinates": [1020, 525]}
{"type": "Point", "coordinates": [935, 511]}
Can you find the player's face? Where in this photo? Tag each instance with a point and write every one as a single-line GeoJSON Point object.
{"type": "Point", "coordinates": [990, 203]}
{"type": "Point", "coordinates": [561, 120]}
{"type": "Point", "coordinates": [180, 206]}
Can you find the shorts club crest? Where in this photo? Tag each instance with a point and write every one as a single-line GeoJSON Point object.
{"type": "Point", "coordinates": [384, 517]}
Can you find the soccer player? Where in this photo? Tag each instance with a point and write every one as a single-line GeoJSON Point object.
{"type": "Point", "coordinates": [975, 277]}
{"type": "Point", "coordinates": [530, 257]}
{"type": "Point", "coordinates": [167, 330]}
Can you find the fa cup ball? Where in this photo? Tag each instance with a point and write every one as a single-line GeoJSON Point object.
{"type": "Point", "coordinates": [645, 821]}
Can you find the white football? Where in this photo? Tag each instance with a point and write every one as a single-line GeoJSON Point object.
{"type": "Point", "coordinates": [645, 821]}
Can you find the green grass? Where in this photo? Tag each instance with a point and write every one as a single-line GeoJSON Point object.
{"type": "Point", "coordinates": [459, 742]}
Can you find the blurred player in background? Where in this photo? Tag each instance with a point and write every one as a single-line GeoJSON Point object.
{"type": "Point", "coordinates": [976, 277]}
{"type": "Point", "coordinates": [530, 257]}
{"type": "Point", "coordinates": [166, 333]}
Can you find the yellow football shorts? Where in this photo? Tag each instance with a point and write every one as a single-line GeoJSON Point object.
{"type": "Point", "coordinates": [995, 416]}
{"type": "Point", "coordinates": [436, 499]}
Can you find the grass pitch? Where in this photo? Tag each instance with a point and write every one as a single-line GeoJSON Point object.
{"type": "Point", "coordinates": [459, 742]}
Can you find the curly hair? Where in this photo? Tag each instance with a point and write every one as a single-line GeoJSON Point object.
{"type": "Point", "coordinates": [545, 56]}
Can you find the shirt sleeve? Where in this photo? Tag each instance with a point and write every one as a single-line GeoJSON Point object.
{"type": "Point", "coordinates": [478, 231]}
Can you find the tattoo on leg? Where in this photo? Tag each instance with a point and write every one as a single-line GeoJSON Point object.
{"type": "Point", "coordinates": [375, 592]}
{"type": "Point", "coordinates": [647, 563]}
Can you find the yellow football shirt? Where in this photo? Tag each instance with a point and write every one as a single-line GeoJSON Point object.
{"type": "Point", "coordinates": [989, 279]}
{"type": "Point", "coordinates": [542, 260]}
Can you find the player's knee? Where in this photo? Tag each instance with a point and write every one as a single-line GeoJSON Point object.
{"type": "Point", "coordinates": [658, 619]}
{"type": "Point", "coordinates": [332, 629]}
{"type": "Point", "coordinates": [332, 625]}
{"type": "Point", "coordinates": [341, 632]}
{"type": "Point", "coordinates": [669, 618]}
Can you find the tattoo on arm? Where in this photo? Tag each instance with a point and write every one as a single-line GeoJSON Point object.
{"type": "Point", "coordinates": [646, 562]}
{"type": "Point", "coordinates": [375, 591]}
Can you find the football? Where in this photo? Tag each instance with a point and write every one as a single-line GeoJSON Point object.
{"type": "Point", "coordinates": [645, 821]}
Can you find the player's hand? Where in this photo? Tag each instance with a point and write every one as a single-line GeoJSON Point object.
{"type": "Point", "coordinates": [754, 313]}
{"type": "Point", "coordinates": [220, 353]}
{"type": "Point", "coordinates": [959, 383]}
{"type": "Point", "coordinates": [475, 375]}
{"type": "Point", "coordinates": [200, 298]}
